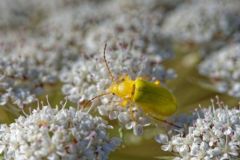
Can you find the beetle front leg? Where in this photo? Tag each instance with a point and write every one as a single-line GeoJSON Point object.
{"type": "Point", "coordinates": [131, 108]}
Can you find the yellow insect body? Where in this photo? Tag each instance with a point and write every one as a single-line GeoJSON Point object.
{"type": "Point", "coordinates": [154, 99]}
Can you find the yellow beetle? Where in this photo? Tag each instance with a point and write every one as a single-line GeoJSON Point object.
{"type": "Point", "coordinates": [155, 100]}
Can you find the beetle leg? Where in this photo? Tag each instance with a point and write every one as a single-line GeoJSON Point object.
{"type": "Point", "coordinates": [132, 112]}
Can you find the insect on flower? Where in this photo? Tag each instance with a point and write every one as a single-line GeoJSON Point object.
{"type": "Point", "coordinates": [155, 100]}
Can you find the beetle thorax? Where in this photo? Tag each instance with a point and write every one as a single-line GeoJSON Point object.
{"type": "Point", "coordinates": [124, 88]}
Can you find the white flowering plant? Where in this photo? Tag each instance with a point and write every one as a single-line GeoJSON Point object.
{"type": "Point", "coordinates": [92, 53]}
{"type": "Point", "coordinates": [212, 134]}
{"type": "Point", "coordinates": [57, 133]}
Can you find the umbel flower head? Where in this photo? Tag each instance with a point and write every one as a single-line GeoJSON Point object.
{"type": "Point", "coordinates": [57, 133]}
{"type": "Point", "coordinates": [68, 27]}
{"type": "Point", "coordinates": [30, 11]}
{"type": "Point", "coordinates": [21, 80]}
{"type": "Point", "coordinates": [203, 20]}
{"type": "Point", "coordinates": [213, 135]}
{"type": "Point", "coordinates": [223, 67]}
{"type": "Point", "coordinates": [142, 31]}
{"type": "Point", "coordinates": [28, 64]}
{"type": "Point", "coordinates": [89, 78]}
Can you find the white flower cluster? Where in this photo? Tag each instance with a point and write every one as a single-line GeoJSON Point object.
{"type": "Point", "coordinates": [28, 64]}
{"type": "Point", "coordinates": [70, 26]}
{"type": "Point", "coordinates": [88, 30]}
{"type": "Point", "coordinates": [89, 78]}
{"type": "Point", "coordinates": [202, 20]}
{"type": "Point", "coordinates": [214, 135]}
{"type": "Point", "coordinates": [141, 29]}
{"type": "Point", "coordinates": [17, 13]}
{"type": "Point", "coordinates": [20, 80]}
{"type": "Point", "coordinates": [54, 134]}
{"type": "Point", "coordinates": [225, 71]}
{"type": "Point", "coordinates": [25, 13]}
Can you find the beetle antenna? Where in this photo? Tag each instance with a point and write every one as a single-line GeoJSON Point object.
{"type": "Point", "coordinates": [106, 63]}
{"type": "Point", "coordinates": [86, 103]}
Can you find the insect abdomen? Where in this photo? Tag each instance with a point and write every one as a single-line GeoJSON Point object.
{"type": "Point", "coordinates": [154, 100]}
